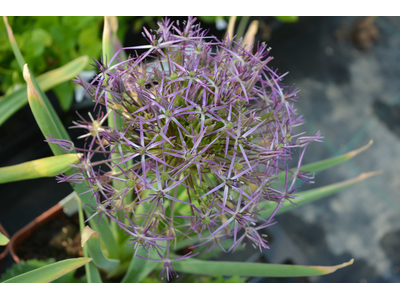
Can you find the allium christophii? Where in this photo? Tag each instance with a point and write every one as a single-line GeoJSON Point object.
{"type": "Point", "coordinates": [204, 116]}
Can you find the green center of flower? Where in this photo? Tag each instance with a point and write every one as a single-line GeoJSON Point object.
{"type": "Point", "coordinates": [206, 220]}
{"type": "Point", "coordinates": [229, 125]}
{"type": "Point", "coordinates": [165, 176]}
{"type": "Point", "coordinates": [130, 183]}
{"type": "Point", "coordinates": [168, 113]}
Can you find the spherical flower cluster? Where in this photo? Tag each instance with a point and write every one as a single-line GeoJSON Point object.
{"type": "Point", "coordinates": [206, 128]}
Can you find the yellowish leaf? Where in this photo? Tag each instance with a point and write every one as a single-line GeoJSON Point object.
{"type": "Point", "coordinates": [250, 35]}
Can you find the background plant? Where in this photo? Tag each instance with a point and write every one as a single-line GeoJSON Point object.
{"type": "Point", "coordinates": [48, 42]}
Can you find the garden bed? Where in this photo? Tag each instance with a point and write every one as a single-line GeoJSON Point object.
{"type": "Point", "coordinates": [59, 238]}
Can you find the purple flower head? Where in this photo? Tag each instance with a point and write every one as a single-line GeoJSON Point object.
{"type": "Point", "coordinates": [207, 127]}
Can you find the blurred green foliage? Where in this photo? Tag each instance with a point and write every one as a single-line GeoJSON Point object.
{"type": "Point", "coordinates": [33, 264]}
{"type": "Point", "coordinates": [213, 19]}
{"type": "Point", "coordinates": [221, 279]}
{"type": "Point", "coordinates": [290, 19]}
{"type": "Point", "coordinates": [48, 42]}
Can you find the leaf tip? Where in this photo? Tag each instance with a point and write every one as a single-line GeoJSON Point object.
{"type": "Point", "coordinates": [106, 29]}
{"type": "Point", "coordinates": [353, 153]}
{"type": "Point", "coordinates": [366, 175]}
{"type": "Point", "coordinates": [31, 91]}
{"type": "Point", "coordinates": [329, 270]}
{"type": "Point", "coordinates": [3, 240]}
{"type": "Point", "coordinates": [113, 24]}
{"type": "Point", "coordinates": [87, 233]}
{"type": "Point", "coordinates": [231, 27]}
{"type": "Point", "coordinates": [26, 74]}
{"type": "Point", "coordinates": [9, 30]}
{"type": "Point", "coordinates": [88, 259]}
{"type": "Point", "coordinates": [249, 37]}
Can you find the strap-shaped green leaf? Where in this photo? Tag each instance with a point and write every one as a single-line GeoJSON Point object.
{"type": "Point", "coordinates": [45, 116]}
{"type": "Point", "coordinates": [44, 167]}
{"type": "Point", "coordinates": [91, 239]}
{"type": "Point", "coordinates": [314, 194]}
{"type": "Point", "coordinates": [62, 74]}
{"type": "Point", "coordinates": [92, 273]}
{"type": "Point", "coordinates": [109, 36]}
{"type": "Point", "coordinates": [11, 103]}
{"type": "Point", "coordinates": [140, 268]}
{"type": "Point", "coordinates": [328, 163]}
{"type": "Point", "coordinates": [14, 45]}
{"type": "Point", "coordinates": [50, 272]}
{"type": "Point", "coordinates": [108, 47]}
{"type": "Point", "coordinates": [202, 267]}
{"type": "Point", "coordinates": [3, 240]}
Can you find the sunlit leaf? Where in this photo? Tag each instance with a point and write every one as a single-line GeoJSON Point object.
{"type": "Point", "coordinates": [32, 264]}
{"type": "Point", "coordinates": [248, 40]}
{"type": "Point", "coordinates": [3, 240]}
{"type": "Point", "coordinates": [62, 74]}
{"type": "Point", "coordinates": [44, 167]}
{"type": "Point", "coordinates": [115, 41]}
{"type": "Point", "coordinates": [328, 163]}
{"type": "Point", "coordinates": [44, 113]}
{"type": "Point", "coordinates": [196, 266]}
{"type": "Point", "coordinates": [314, 194]}
{"type": "Point", "coordinates": [231, 27]}
{"type": "Point", "coordinates": [50, 272]}
{"type": "Point", "coordinates": [109, 35]}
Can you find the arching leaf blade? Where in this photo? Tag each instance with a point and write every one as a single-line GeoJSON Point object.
{"type": "Point", "coordinates": [50, 272]}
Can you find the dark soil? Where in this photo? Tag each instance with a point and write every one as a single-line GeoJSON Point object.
{"type": "Point", "coordinates": [59, 238]}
